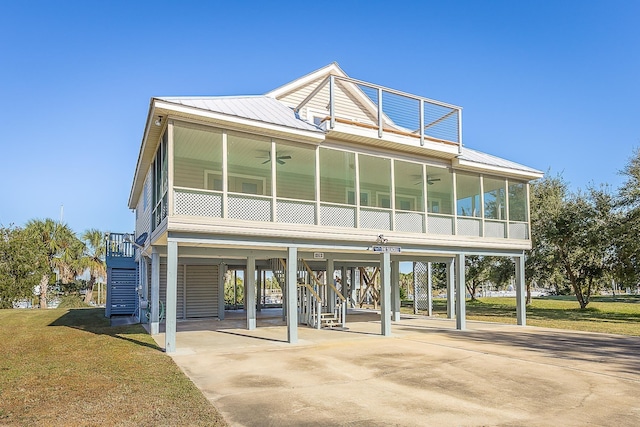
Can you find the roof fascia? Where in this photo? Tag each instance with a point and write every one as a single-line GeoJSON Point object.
{"type": "Point", "coordinates": [500, 170]}
{"type": "Point", "coordinates": [224, 118]}
{"type": "Point", "coordinates": [136, 175]}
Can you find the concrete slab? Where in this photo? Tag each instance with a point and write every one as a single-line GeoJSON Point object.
{"type": "Point", "coordinates": [427, 373]}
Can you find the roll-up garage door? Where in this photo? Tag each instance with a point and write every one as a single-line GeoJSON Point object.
{"type": "Point", "coordinates": [202, 290]}
{"type": "Point", "coordinates": [163, 289]}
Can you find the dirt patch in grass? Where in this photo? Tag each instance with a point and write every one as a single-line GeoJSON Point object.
{"type": "Point", "coordinates": [69, 367]}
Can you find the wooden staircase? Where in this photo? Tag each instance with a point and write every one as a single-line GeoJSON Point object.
{"type": "Point", "coordinates": [314, 296]}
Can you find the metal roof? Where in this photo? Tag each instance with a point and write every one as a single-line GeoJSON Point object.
{"type": "Point", "coordinates": [475, 156]}
{"type": "Point", "coordinates": [260, 108]}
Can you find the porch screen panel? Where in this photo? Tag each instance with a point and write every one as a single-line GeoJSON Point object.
{"type": "Point", "coordinates": [295, 172]}
{"type": "Point", "coordinates": [375, 181]}
{"type": "Point", "coordinates": [518, 206]}
{"type": "Point", "coordinates": [408, 185]}
{"type": "Point", "coordinates": [249, 164]}
{"type": "Point", "coordinates": [202, 291]}
{"type": "Point", "coordinates": [337, 176]}
{"type": "Point", "coordinates": [439, 190]}
{"type": "Point", "coordinates": [468, 195]}
{"type": "Point", "coordinates": [197, 157]}
{"type": "Point", "coordinates": [494, 198]}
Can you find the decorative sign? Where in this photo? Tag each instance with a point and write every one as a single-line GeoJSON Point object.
{"type": "Point", "coordinates": [390, 249]}
{"type": "Point", "coordinates": [318, 255]}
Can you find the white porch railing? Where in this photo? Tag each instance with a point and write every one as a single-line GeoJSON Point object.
{"type": "Point", "coordinates": [210, 204]}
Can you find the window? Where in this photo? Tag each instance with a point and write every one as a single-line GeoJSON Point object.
{"type": "Point", "coordinates": [518, 209]}
{"type": "Point", "coordinates": [295, 172]}
{"type": "Point", "coordinates": [337, 176]}
{"type": "Point", "coordinates": [197, 157]}
{"type": "Point", "coordinates": [468, 194]}
{"type": "Point", "coordinates": [160, 183]}
{"type": "Point", "coordinates": [408, 181]}
{"type": "Point", "coordinates": [249, 163]}
{"type": "Point", "coordinates": [494, 198]}
{"type": "Point", "coordinates": [375, 178]}
{"type": "Point", "coordinates": [439, 190]}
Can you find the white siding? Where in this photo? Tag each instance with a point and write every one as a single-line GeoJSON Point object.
{"type": "Point", "coordinates": [347, 105]}
{"type": "Point", "coordinates": [143, 216]}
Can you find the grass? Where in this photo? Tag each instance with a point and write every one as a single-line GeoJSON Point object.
{"type": "Point", "coordinates": [614, 315]}
{"type": "Point", "coordinates": [69, 367]}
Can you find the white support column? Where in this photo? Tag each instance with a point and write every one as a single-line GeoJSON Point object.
{"type": "Point", "coordinates": [415, 290]}
{"type": "Point", "coordinates": [461, 321]}
{"type": "Point", "coordinates": [429, 290]}
{"type": "Point", "coordinates": [345, 287]}
{"type": "Point", "coordinates": [259, 290]}
{"type": "Point", "coordinates": [385, 293]}
{"type": "Point", "coordinates": [451, 275]}
{"type": "Point", "coordinates": [142, 290]}
{"type": "Point", "coordinates": [331, 294]}
{"type": "Point", "coordinates": [521, 309]}
{"type": "Point", "coordinates": [250, 292]}
{"type": "Point", "coordinates": [222, 270]}
{"type": "Point", "coordinates": [395, 291]}
{"type": "Point", "coordinates": [172, 297]}
{"type": "Point", "coordinates": [291, 295]}
{"type": "Point", "coordinates": [155, 292]}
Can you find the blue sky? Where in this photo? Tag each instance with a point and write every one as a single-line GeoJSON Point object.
{"type": "Point", "coordinates": [550, 84]}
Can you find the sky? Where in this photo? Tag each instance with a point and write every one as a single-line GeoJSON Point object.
{"type": "Point", "coordinates": [554, 85]}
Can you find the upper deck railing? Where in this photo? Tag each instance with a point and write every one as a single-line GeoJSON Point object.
{"type": "Point", "coordinates": [119, 245]}
{"type": "Point", "coordinates": [392, 111]}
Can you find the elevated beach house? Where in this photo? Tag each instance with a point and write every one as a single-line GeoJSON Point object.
{"type": "Point", "coordinates": [309, 182]}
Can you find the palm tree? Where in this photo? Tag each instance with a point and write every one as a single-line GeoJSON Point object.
{"type": "Point", "coordinates": [93, 259]}
{"type": "Point", "coordinates": [53, 238]}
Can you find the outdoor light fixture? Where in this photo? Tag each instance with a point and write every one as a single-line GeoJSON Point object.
{"type": "Point", "coordinates": [381, 240]}
{"type": "Point", "coordinates": [159, 121]}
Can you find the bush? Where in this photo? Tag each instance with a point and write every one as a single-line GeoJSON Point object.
{"type": "Point", "coordinates": [72, 301]}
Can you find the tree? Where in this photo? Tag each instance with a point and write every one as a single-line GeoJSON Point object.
{"type": "Point", "coordinates": [547, 198]}
{"type": "Point", "coordinates": [501, 270]}
{"type": "Point", "coordinates": [93, 259]}
{"type": "Point", "coordinates": [477, 273]}
{"type": "Point", "coordinates": [627, 225]}
{"type": "Point", "coordinates": [21, 265]}
{"type": "Point", "coordinates": [574, 231]}
{"type": "Point", "coordinates": [50, 237]}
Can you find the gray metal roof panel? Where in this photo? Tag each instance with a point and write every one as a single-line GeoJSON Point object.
{"type": "Point", "coordinates": [260, 108]}
{"type": "Point", "coordinates": [471, 155]}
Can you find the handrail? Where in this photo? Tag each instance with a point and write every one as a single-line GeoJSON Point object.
{"type": "Point", "coordinates": [390, 119]}
{"type": "Point", "coordinates": [306, 285]}
{"type": "Point", "coordinates": [315, 279]}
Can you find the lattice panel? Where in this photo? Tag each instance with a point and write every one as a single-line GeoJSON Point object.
{"type": "Point", "coordinates": [337, 216]}
{"type": "Point", "coordinates": [518, 230]}
{"type": "Point", "coordinates": [296, 212]}
{"type": "Point", "coordinates": [197, 204]}
{"type": "Point", "coordinates": [468, 227]}
{"type": "Point", "coordinates": [412, 222]}
{"type": "Point", "coordinates": [249, 208]}
{"type": "Point", "coordinates": [495, 229]}
{"type": "Point", "coordinates": [421, 285]}
{"type": "Point", "coordinates": [440, 225]}
{"type": "Point", "coordinates": [375, 219]}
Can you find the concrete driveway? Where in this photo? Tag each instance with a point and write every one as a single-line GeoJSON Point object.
{"type": "Point", "coordinates": [426, 374]}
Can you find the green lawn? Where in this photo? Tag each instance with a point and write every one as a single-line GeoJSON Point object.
{"type": "Point", "coordinates": [69, 367]}
{"type": "Point", "coordinates": [619, 315]}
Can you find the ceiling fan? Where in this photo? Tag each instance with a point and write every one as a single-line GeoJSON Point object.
{"type": "Point", "coordinates": [430, 181]}
{"type": "Point", "coordinates": [279, 159]}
